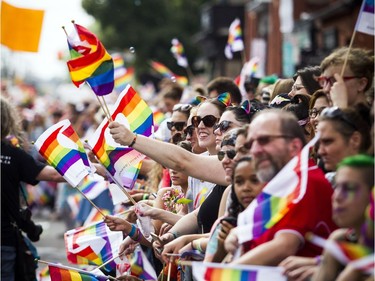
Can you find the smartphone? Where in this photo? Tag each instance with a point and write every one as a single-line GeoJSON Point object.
{"type": "Point", "coordinates": [156, 238]}
{"type": "Point", "coordinates": [231, 220]}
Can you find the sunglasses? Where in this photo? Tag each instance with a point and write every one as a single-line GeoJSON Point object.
{"type": "Point", "coordinates": [324, 81]}
{"type": "Point", "coordinates": [223, 126]}
{"type": "Point", "coordinates": [178, 125]}
{"type": "Point", "coordinates": [182, 107]}
{"type": "Point", "coordinates": [208, 120]}
{"type": "Point", "coordinates": [264, 140]}
{"type": "Point", "coordinates": [337, 113]}
{"type": "Point", "coordinates": [313, 113]}
{"type": "Point", "coordinates": [189, 130]}
{"type": "Point", "coordinates": [230, 153]}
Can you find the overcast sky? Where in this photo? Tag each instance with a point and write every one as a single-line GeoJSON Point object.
{"type": "Point", "coordinates": [58, 13]}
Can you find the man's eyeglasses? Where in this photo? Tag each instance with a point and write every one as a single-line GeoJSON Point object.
{"type": "Point", "coordinates": [264, 140]}
{"type": "Point", "coordinates": [182, 107]}
{"type": "Point", "coordinates": [177, 125]}
{"type": "Point", "coordinates": [324, 80]}
{"type": "Point", "coordinates": [223, 126]}
{"type": "Point", "coordinates": [313, 113]}
{"type": "Point", "coordinates": [297, 87]}
{"type": "Point", "coordinates": [189, 130]}
{"type": "Point", "coordinates": [230, 153]}
{"type": "Point", "coordinates": [208, 120]}
{"type": "Point", "coordinates": [337, 113]}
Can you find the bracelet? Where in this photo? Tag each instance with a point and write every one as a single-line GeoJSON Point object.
{"type": "Point", "coordinates": [134, 140]}
{"type": "Point", "coordinates": [174, 234]}
{"type": "Point", "coordinates": [139, 236]}
{"type": "Point", "coordinates": [145, 196]}
{"type": "Point", "coordinates": [132, 231]}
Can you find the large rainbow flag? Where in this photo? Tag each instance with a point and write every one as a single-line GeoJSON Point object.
{"type": "Point", "coordinates": [63, 273]}
{"type": "Point", "coordinates": [178, 52]}
{"type": "Point", "coordinates": [271, 205]}
{"type": "Point", "coordinates": [123, 162]}
{"type": "Point", "coordinates": [223, 272]}
{"type": "Point", "coordinates": [90, 62]}
{"type": "Point", "coordinates": [93, 244]}
{"type": "Point", "coordinates": [62, 149]}
{"type": "Point", "coordinates": [235, 42]}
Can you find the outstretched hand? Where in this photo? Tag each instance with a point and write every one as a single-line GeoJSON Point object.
{"type": "Point", "coordinates": [117, 224]}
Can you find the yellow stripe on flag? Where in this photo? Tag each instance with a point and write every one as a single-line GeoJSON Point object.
{"type": "Point", "coordinates": [20, 28]}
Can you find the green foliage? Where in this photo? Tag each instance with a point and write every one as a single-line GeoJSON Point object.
{"type": "Point", "coordinates": [148, 26]}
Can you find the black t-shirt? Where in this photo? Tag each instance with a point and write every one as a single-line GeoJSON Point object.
{"type": "Point", "coordinates": [209, 210]}
{"type": "Point", "coordinates": [16, 166]}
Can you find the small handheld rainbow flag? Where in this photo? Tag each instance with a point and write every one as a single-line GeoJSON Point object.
{"type": "Point", "coordinates": [62, 149]}
{"type": "Point", "coordinates": [123, 75]}
{"type": "Point", "coordinates": [167, 73]}
{"type": "Point", "coordinates": [178, 52]}
{"type": "Point", "coordinates": [235, 43]}
{"type": "Point", "coordinates": [93, 244]}
{"type": "Point", "coordinates": [222, 272]}
{"type": "Point", "coordinates": [140, 266]}
{"type": "Point", "coordinates": [123, 162]}
{"type": "Point", "coordinates": [93, 185]}
{"type": "Point", "coordinates": [65, 273]}
{"type": "Point", "coordinates": [90, 62]}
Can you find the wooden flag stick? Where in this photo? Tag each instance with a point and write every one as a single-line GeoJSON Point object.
{"type": "Point", "coordinates": [106, 107]}
{"type": "Point", "coordinates": [347, 54]}
{"type": "Point", "coordinates": [92, 203]}
{"type": "Point", "coordinates": [169, 271]}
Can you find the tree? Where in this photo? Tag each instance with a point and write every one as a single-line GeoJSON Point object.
{"type": "Point", "coordinates": [148, 26]}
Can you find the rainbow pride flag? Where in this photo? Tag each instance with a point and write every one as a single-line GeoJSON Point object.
{"type": "Point", "coordinates": [271, 205]}
{"type": "Point", "coordinates": [123, 162]}
{"type": "Point", "coordinates": [94, 216]}
{"type": "Point", "coordinates": [123, 75]}
{"type": "Point", "coordinates": [90, 62]}
{"type": "Point", "coordinates": [235, 43]}
{"type": "Point", "coordinates": [223, 272]}
{"type": "Point", "coordinates": [93, 244]}
{"type": "Point", "coordinates": [140, 266]}
{"type": "Point", "coordinates": [93, 185]}
{"type": "Point", "coordinates": [167, 73]}
{"type": "Point", "coordinates": [179, 53]}
{"type": "Point", "coordinates": [62, 149]}
{"type": "Point", "coordinates": [64, 273]}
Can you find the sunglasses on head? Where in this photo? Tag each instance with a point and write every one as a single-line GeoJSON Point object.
{"type": "Point", "coordinates": [189, 130]}
{"type": "Point", "coordinates": [337, 113]}
{"type": "Point", "coordinates": [264, 140]}
{"type": "Point", "coordinates": [208, 120]}
{"type": "Point", "coordinates": [231, 153]}
{"type": "Point", "coordinates": [182, 107]}
{"type": "Point", "coordinates": [223, 126]}
{"type": "Point", "coordinates": [177, 125]}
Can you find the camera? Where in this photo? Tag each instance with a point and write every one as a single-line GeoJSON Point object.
{"type": "Point", "coordinates": [26, 224]}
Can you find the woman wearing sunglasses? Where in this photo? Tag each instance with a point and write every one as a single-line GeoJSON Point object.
{"type": "Point", "coordinates": [233, 117]}
{"type": "Point", "coordinates": [352, 204]}
{"type": "Point", "coordinates": [343, 132]}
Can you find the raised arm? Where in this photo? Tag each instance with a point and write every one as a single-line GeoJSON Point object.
{"type": "Point", "coordinates": [207, 168]}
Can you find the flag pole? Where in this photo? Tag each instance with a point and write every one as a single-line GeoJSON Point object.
{"type": "Point", "coordinates": [108, 261]}
{"type": "Point", "coordinates": [92, 203]}
{"type": "Point", "coordinates": [169, 271]}
{"type": "Point", "coordinates": [347, 53]}
{"type": "Point", "coordinates": [73, 268]}
{"type": "Point", "coordinates": [105, 109]}
{"type": "Point", "coordinates": [114, 180]}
